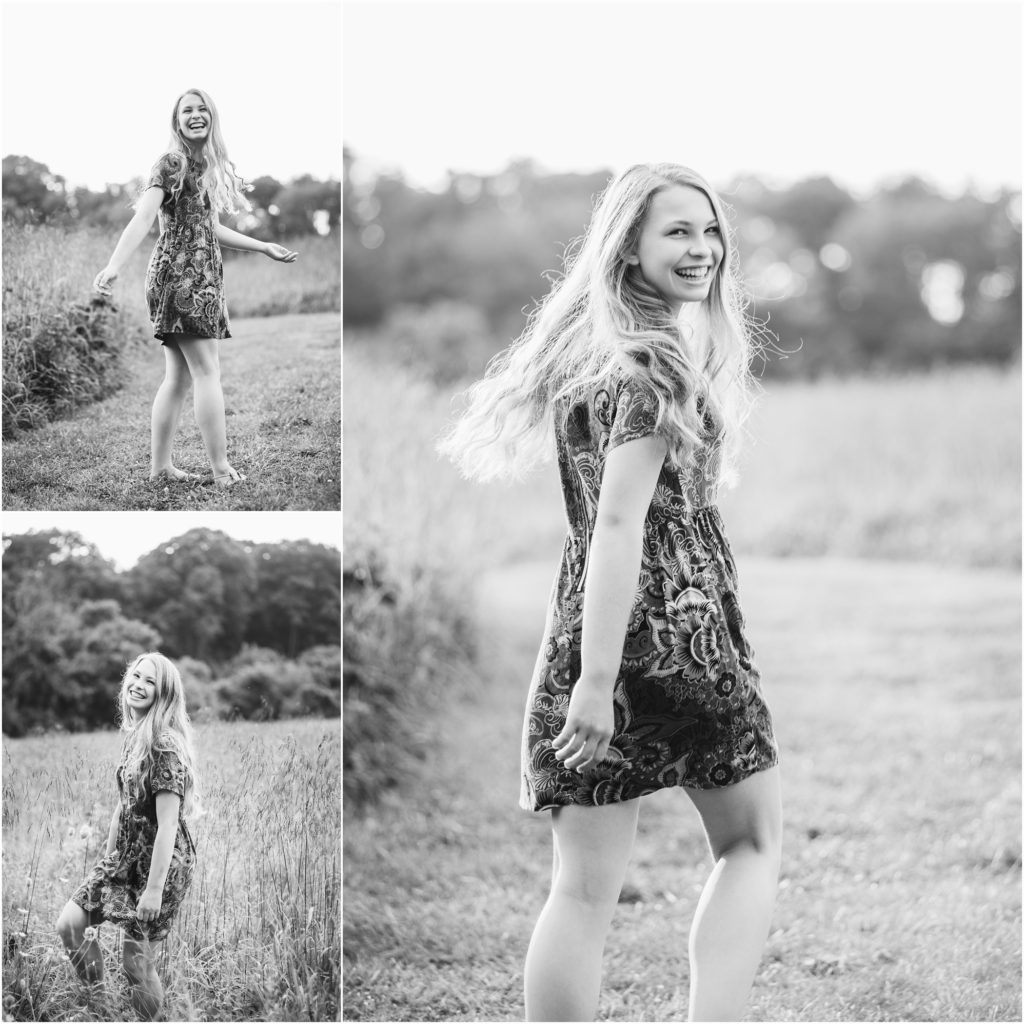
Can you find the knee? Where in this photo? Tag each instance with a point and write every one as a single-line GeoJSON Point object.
{"type": "Point", "coordinates": [765, 840]}
{"type": "Point", "coordinates": [69, 928]}
{"type": "Point", "coordinates": [135, 967]}
{"type": "Point", "coordinates": [590, 890]}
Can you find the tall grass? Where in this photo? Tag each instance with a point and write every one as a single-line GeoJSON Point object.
{"type": "Point", "coordinates": [257, 937]}
{"type": "Point", "coordinates": [411, 526]}
{"type": "Point", "coordinates": [63, 350]}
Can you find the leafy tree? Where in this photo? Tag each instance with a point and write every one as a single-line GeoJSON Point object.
{"type": "Point", "coordinates": [297, 599]}
{"type": "Point", "coordinates": [199, 587]}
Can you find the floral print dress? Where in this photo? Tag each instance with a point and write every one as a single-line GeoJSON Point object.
{"type": "Point", "coordinates": [115, 884]}
{"type": "Point", "coordinates": [185, 278]}
{"type": "Point", "coordinates": [687, 699]}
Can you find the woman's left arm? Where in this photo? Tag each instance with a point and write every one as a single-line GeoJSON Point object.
{"type": "Point", "coordinates": [167, 805]}
{"type": "Point", "coordinates": [236, 240]}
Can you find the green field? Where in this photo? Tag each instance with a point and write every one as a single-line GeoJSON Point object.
{"type": "Point", "coordinates": [257, 937]}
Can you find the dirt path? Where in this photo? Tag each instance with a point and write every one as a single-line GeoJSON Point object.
{"type": "Point", "coordinates": [895, 689]}
{"type": "Point", "coordinates": [282, 386]}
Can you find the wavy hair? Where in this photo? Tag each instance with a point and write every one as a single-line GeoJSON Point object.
{"type": "Point", "coordinates": [216, 174]}
{"type": "Point", "coordinates": [164, 727]}
{"type": "Point", "coordinates": [601, 318]}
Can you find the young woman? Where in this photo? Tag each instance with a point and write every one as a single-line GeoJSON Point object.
{"type": "Point", "coordinates": [150, 856]}
{"type": "Point", "coordinates": [637, 363]}
{"type": "Point", "coordinates": [190, 185]}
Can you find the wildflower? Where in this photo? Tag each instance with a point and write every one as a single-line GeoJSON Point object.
{"type": "Point", "coordinates": [22, 910]}
{"type": "Point", "coordinates": [90, 934]}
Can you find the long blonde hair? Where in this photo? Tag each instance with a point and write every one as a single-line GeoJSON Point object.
{"type": "Point", "coordinates": [164, 727]}
{"type": "Point", "coordinates": [603, 317]}
{"type": "Point", "coordinates": [217, 176]}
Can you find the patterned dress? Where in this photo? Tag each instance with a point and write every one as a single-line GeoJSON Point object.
{"type": "Point", "coordinates": [687, 700]}
{"type": "Point", "coordinates": [185, 278]}
{"type": "Point", "coordinates": [115, 884]}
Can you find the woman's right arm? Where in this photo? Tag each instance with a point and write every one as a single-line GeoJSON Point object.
{"type": "Point", "coordinates": [137, 229]}
{"type": "Point", "coordinates": [115, 824]}
{"type": "Point", "coordinates": [613, 571]}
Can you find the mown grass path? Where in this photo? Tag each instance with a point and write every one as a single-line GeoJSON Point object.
{"type": "Point", "coordinates": [282, 386]}
{"type": "Point", "coordinates": [895, 689]}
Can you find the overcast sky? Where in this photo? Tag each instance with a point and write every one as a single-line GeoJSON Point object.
{"type": "Point", "coordinates": [124, 536]}
{"type": "Point", "coordinates": [88, 88]}
{"type": "Point", "coordinates": [860, 91]}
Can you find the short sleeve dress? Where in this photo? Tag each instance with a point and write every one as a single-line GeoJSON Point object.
{"type": "Point", "coordinates": [185, 278]}
{"type": "Point", "coordinates": [115, 884]}
{"type": "Point", "coordinates": [688, 705]}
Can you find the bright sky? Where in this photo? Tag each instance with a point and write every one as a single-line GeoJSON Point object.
{"type": "Point", "coordinates": [860, 91]}
{"type": "Point", "coordinates": [88, 88]}
{"type": "Point", "coordinates": [124, 536]}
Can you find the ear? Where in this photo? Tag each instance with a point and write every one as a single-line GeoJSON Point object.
{"type": "Point", "coordinates": [633, 259]}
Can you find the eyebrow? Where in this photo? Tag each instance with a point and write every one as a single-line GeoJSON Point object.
{"type": "Point", "coordinates": [678, 220]}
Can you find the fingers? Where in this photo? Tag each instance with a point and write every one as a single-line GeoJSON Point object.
{"type": "Point", "coordinates": [578, 750]}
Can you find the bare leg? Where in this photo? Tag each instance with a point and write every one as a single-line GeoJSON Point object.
{"type": "Point", "coordinates": [744, 829]}
{"type": "Point", "coordinates": [140, 966]}
{"type": "Point", "coordinates": [204, 364]}
{"type": "Point", "coordinates": [85, 954]}
{"type": "Point", "coordinates": [563, 964]}
{"type": "Point", "coordinates": [170, 398]}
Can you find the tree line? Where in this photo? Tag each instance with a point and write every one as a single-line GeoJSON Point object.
{"type": "Point", "coordinates": [907, 277]}
{"type": "Point", "coordinates": [34, 194]}
{"type": "Point", "coordinates": [254, 628]}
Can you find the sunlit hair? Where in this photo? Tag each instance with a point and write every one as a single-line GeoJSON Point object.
{"type": "Point", "coordinates": [164, 727]}
{"type": "Point", "coordinates": [217, 176]}
{"type": "Point", "coordinates": [603, 318]}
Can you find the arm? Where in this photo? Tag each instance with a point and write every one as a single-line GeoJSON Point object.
{"type": "Point", "coordinates": [115, 824]}
{"type": "Point", "coordinates": [236, 240]}
{"type": "Point", "coordinates": [630, 474]}
{"type": "Point", "coordinates": [167, 805]}
{"type": "Point", "coordinates": [137, 229]}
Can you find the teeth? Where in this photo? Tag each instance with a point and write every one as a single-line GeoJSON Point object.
{"type": "Point", "coordinates": [696, 273]}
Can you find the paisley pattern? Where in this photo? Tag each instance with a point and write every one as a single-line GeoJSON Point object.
{"type": "Point", "coordinates": [687, 701]}
{"type": "Point", "coordinates": [115, 884]}
{"type": "Point", "coordinates": [185, 278]}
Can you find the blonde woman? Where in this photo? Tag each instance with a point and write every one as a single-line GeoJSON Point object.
{"type": "Point", "coordinates": [190, 185]}
{"type": "Point", "coordinates": [636, 366]}
{"type": "Point", "coordinates": [150, 857]}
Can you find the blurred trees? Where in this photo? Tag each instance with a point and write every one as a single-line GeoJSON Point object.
{"type": "Point", "coordinates": [32, 193]}
{"type": "Point", "coordinates": [72, 622]}
{"type": "Point", "coordinates": [905, 277]}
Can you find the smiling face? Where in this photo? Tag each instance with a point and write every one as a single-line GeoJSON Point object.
{"type": "Point", "coordinates": [680, 247]}
{"type": "Point", "coordinates": [140, 687]}
{"type": "Point", "coordinates": [194, 118]}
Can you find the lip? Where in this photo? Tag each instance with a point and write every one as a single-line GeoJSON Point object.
{"type": "Point", "coordinates": [136, 694]}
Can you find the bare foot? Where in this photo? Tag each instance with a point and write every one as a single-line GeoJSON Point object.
{"type": "Point", "coordinates": [222, 481]}
{"type": "Point", "coordinates": [174, 474]}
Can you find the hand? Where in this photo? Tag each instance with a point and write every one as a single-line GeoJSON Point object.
{"type": "Point", "coordinates": [589, 726]}
{"type": "Point", "coordinates": [104, 279]}
{"type": "Point", "coordinates": [148, 907]}
{"type": "Point", "coordinates": [279, 252]}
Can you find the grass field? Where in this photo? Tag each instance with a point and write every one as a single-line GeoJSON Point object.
{"type": "Point", "coordinates": [896, 694]}
{"type": "Point", "coordinates": [257, 937]}
{"type": "Point", "coordinates": [924, 467]}
{"type": "Point", "coordinates": [892, 664]}
{"type": "Point", "coordinates": [59, 356]}
{"type": "Point", "coordinates": [281, 379]}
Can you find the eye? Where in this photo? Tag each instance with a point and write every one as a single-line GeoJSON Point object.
{"type": "Point", "coordinates": [715, 228]}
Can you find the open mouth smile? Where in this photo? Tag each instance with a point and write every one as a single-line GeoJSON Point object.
{"type": "Point", "coordinates": [693, 273]}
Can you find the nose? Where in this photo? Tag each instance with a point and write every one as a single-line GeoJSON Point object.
{"type": "Point", "coordinates": [700, 245]}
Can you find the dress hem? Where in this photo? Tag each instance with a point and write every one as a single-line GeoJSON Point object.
{"type": "Point", "coordinates": [626, 795]}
